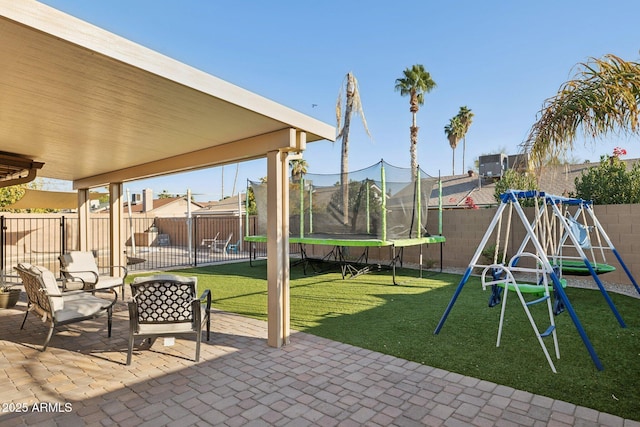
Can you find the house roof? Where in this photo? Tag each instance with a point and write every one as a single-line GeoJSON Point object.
{"type": "Point", "coordinates": [557, 180]}
{"type": "Point", "coordinates": [96, 108]}
{"type": "Point", "coordinates": [228, 206]}
{"type": "Point", "coordinates": [158, 203]}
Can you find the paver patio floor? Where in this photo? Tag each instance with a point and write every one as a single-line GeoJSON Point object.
{"type": "Point", "coordinates": [82, 379]}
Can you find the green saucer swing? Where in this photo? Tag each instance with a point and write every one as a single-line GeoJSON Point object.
{"type": "Point", "coordinates": [579, 268]}
{"type": "Point", "coordinates": [532, 288]}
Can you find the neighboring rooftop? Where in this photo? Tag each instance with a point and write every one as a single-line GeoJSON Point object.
{"type": "Point", "coordinates": [228, 206]}
{"type": "Point", "coordinates": [558, 180]}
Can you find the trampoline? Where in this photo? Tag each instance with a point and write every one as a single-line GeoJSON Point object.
{"type": "Point", "coordinates": [380, 206]}
{"type": "Point", "coordinates": [353, 267]}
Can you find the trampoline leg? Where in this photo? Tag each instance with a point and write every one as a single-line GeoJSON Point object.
{"type": "Point", "coordinates": [393, 264]}
{"type": "Point", "coordinates": [421, 261]}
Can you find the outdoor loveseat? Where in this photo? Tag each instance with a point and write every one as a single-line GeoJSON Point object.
{"type": "Point", "coordinates": [49, 303]}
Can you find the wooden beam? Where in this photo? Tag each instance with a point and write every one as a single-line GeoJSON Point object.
{"type": "Point", "coordinates": [84, 220]}
{"type": "Point", "coordinates": [247, 149]}
{"type": "Point", "coordinates": [116, 224]}
{"type": "Point", "coordinates": [278, 298]}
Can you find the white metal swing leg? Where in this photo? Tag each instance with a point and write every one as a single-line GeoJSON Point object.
{"type": "Point", "coordinates": [537, 331]}
{"type": "Point", "coordinates": [509, 279]}
{"type": "Point", "coordinates": [505, 292]}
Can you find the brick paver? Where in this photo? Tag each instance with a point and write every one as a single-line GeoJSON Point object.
{"type": "Point", "coordinates": [81, 380]}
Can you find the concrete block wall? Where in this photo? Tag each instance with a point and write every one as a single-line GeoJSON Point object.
{"type": "Point", "coordinates": [464, 229]}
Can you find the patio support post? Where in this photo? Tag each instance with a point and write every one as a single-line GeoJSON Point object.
{"type": "Point", "coordinates": [116, 222]}
{"type": "Point", "coordinates": [278, 327]}
{"type": "Point", "coordinates": [84, 220]}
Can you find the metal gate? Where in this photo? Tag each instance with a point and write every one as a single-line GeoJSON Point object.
{"type": "Point", "coordinates": [151, 243]}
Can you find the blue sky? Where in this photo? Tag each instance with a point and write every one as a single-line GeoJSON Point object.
{"type": "Point", "coordinates": [502, 59]}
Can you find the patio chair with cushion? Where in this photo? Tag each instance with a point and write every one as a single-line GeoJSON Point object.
{"type": "Point", "coordinates": [46, 301]}
{"type": "Point", "coordinates": [81, 271]}
{"type": "Point", "coordinates": [167, 306]}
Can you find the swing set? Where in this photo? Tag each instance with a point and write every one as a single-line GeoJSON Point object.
{"type": "Point", "coordinates": [555, 243]}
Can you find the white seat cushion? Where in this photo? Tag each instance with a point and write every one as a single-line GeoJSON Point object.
{"type": "Point", "coordinates": [109, 282]}
{"type": "Point", "coordinates": [164, 328]}
{"type": "Point", "coordinates": [80, 305]}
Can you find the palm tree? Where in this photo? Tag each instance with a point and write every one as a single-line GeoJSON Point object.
{"type": "Point", "coordinates": [298, 169]}
{"type": "Point", "coordinates": [352, 104]}
{"type": "Point", "coordinates": [453, 131]}
{"type": "Point", "coordinates": [603, 98]}
{"type": "Point", "coordinates": [415, 83]}
{"type": "Point", "coordinates": [466, 117]}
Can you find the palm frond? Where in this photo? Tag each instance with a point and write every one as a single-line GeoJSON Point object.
{"type": "Point", "coordinates": [357, 105]}
{"type": "Point", "coordinates": [454, 131]}
{"type": "Point", "coordinates": [339, 112]}
{"type": "Point", "coordinates": [603, 98]}
{"type": "Point", "coordinates": [416, 80]}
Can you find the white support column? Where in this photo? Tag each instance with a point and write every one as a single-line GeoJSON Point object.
{"type": "Point", "coordinates": [278, 318]}
{"type": "Point", "coordinates": [116, 222]}
{"type": "Point", "coordinates": [84, 220]}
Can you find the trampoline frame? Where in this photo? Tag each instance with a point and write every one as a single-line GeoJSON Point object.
{"type": "Point", "coordinates": [354, 268]}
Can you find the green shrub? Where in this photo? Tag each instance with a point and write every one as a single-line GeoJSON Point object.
{"type": "Point", "coordinates": [610, 183]}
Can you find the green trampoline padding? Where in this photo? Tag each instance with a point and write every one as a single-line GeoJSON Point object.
{"type": "Point", "coordinates": [579, 268]}
{"type": "Point", "coordinates": [530, 288]}
{"type": "Point", "coordinates": [332, 241]}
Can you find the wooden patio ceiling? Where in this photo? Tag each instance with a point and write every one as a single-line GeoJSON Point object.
{"type": "Point", "coordinates": [92, 107]}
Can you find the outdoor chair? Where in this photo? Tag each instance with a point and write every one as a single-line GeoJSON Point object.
{"type": "Point", "coordinates": [166, 306]}
{"type": "Point", "coordinates": [221, 245]}
{"type": "Point", "coordinates": [233, 248]}
{"type": "Point", "coordinates": [81, 271]}
{"type": "Point", "coordinates": [210, 242]}
{"type": "Point", "coordinates": [46, 300]}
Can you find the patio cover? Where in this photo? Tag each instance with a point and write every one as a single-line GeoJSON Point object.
{"type": "Point", "coordinates": [97, 109]}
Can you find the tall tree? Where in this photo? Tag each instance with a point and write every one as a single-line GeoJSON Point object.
{"type": "Point", "coordinates": [298, 169]}
{"type": "Point", "coordinates": [466, 117]}
{"type": "Point", "coordinates": [602, 98]}
{"type": "Point", "coordinates": [416, 81]}
{"type": "Point", "coordinates": [10, 195]}
{"type": "Point", "coordinates": [454, 131]}
{"type": "Point", "coordinates": [352, 104]}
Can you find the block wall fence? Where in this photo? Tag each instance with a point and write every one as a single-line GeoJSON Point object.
{"type": "Point", "coordinates": [463, 229]}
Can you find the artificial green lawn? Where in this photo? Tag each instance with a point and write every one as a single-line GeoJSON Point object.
{"type": "Point", "coordinates": [370, 312]}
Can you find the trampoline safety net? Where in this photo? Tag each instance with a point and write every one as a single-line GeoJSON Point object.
{"type": "Point", "coordinates": [380, 202]}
